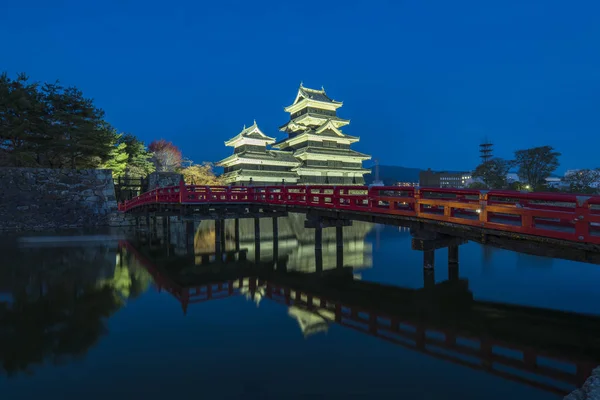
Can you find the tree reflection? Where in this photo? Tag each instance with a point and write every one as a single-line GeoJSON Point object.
{"type": "Point", "coordinates": [60, 300]}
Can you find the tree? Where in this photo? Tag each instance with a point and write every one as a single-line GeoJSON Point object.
{"type": "Point", "coordinates": [20, 120]}
{"type": "Point", "coordinates": [166, 156]}
{"type": "Point", "coordinates": [117, 161]}
{"type": "Point", "coordinates": [536, 164]}
{"type": "Point", "coordinates": [477, 185]}
{"type": "Point", "coordinates": [493, 173]}
{"type": "Point", "coordinates": [201, 175]}
{"type": "Point", "coordinates": [139, 162]}
{"type": "Point", "coordinates": [51, 126]}
{"type": "Point", "coordinates": [583, 181]}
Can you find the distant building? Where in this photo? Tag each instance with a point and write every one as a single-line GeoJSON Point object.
{"type": "Point", "coordinates": [252, 163]}
{"type": "Point", "coordinates": [444, 179]}
{"type": "Point", "coordinates": [316, 140]}
{"type": "Point", "coordinates": [512, 177]}
{"type": "Point", "coordinates": [407, 184]}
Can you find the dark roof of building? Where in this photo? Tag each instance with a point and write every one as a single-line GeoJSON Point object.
{"type": "Point", "coordinates": [331, 151]}
{"type": "Point", "coordinates": [326, 133]}
{"type": "Point", "coordinates": [314, 94]}
{"type": "Point", "coordinates": [268, 155]}
{"type": "Point", "coordinates": [312, 114]}
{"type": "Point", "coordinates": [254, 172]}
{"type": "Point", "coordinates": [328, 168]}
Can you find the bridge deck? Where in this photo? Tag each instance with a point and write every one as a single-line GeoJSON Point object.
{"type": "Point", "coordinates": [566, 217]}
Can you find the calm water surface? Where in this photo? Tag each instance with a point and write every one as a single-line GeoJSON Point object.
{"type": "Point", "coordinates": [161, 317]}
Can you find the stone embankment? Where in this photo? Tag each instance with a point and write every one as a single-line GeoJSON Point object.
{"type": "Point", "coordinates": [40, 198]}
{"type": "Point", "coordinates": [590, 389]}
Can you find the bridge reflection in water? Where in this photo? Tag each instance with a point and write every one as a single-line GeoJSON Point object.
{"type": "Point", "coordinates": [315, 275]}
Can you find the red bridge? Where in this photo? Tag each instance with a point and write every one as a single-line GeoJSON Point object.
{"type": "Point", "coordinates": [566, 217]}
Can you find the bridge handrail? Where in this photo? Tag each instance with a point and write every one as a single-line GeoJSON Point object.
{"type": "Point", "coordinates": [564, 216]}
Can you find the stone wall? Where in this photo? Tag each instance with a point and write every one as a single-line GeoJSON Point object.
{"type": "Point", "coordinates": [163, 179]}
{"type": "Point", "coordinates": [40, 198]}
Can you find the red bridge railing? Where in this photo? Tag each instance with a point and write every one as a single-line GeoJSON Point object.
{"type": "Point", "coordinates": [554, 215]}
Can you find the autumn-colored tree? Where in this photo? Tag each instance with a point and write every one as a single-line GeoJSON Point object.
{"type": "Point", "coordinates": [166, 156]}
{"type": "Point", "coordinates": [201, 174]}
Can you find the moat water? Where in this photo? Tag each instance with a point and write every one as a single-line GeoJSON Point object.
{"type": "Point", "coordinates": [156, 314]}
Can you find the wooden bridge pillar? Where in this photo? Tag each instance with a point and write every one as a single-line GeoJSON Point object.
{"type": "Point", "coordinates": [275, 240]}
{"type": "Point", "coordinates": [428, 268]}
{"type": "Point", "coordinates": [339, 246]}
{"type": "Point", "coordinates": [222, 237]}
{"type": "Point", "coordinates": [237, 234]}
{"type": "Point", "coordinates": [453, 263]}
{"type": "Point", "coordinates": [319, 238]}
{"type": "Point", "coordinates": [319, 249]}
{"type": "Point", "coordinates": [189, 236]}
{"type": "Point", "coordinates": [218, 249]}
{"type": "Point", "coordinates": [120, 257]}
{"type": "Point", "coordinates": [167, 229]}
{"type": "Point", "coordinates": [164, 220]}
{"type": "Point", "coordinates": [319, 260]}
{"type": "Point", "coordinates": [153, 233]}
{"type": "Point", "coordinates": [256, 239]}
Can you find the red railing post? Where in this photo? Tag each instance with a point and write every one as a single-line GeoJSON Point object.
{"type": "Point", "coordinates": [181, 191]}
{"type": "Point", "coordinates": [417, 201]}
{"type": "Point", "coordinates": [582, 213]}
{"type": "Point", "coordinates": [483, 200]}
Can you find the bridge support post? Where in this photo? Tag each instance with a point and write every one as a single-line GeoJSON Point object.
{"type": "Point", "coordinates": [319, 249]}
{"type": "Point", "coordinates": [189, 236]}
{"type": "Point", "coordinates": [428, 268]}
{"type": "Point", "coordinates": [339, 246]}
{"type": "Point", "coordinates": [275, 240]}
{"type": "Point", "coordinates": [223, 247]}
{"type": "Point", "coordinates": [148, 221]}
{"type": "Point", "coordinates": [256, 239]}
{"type": "Point", "coordinates": [319, 238]}
{"type": "Point", "coordinates": [218, 250]}
{"type": "Point", "coordinates": [164, 229]}
{"type": "Point", "coordinates": [153, 233]}
{"type": "Point", "coordinates": [237, 234]}
{"type": "Point", "coordinates": [453, 263]}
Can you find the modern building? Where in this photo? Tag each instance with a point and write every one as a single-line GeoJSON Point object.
{"type": "Point", "coordinates": [407, 184]}
{"type": "Point", "coordinates": [253, 164]}
{"type": "Point", "coordinates": [444, 179]}
{"type": "Point", "coordinates": [318, 143]}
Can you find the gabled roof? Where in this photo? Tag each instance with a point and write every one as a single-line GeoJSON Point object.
{"type": "Point", "coordinates": [252, 132]}
{"type": "Point", "coordinates": [329, 126]}
{"type": "Point", "coordinates": [313, 94]}
{"type": "Point", "coordinates": [299, 118]}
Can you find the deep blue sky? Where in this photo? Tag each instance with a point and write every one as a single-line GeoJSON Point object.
{"type": "Point", "coordinates": [423, 82]}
